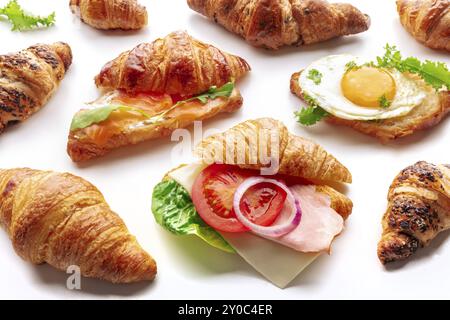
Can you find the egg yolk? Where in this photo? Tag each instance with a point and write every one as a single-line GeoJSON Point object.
{"type": "Point", "coordinates": [366, 85]}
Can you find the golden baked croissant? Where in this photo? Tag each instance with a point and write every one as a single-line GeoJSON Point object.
{"type": "Point", "coordinates": [177, 64]}
{"type": "Point", "coordinates": [296, 156]}
{"type": "Point", "coordinates": [29, 78]}
{"type": "Point", "coordinates": [160, 81]}
{"type": "Point", "coordinates": [276, 23]}
{"type": "Point", "coordinates": [63, 220]}
{"type": "Point", "coordinates": [427, 20]}
{"type": "Point", "coordinates": [111, 14]}
{"type": "Point", "coordinates": [419, 209]}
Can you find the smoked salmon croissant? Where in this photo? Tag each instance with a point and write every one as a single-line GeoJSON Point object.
{"type": "Point", "coordinates": [154, 89]}
{"type": "Point", "coordinates": [29, 78]}
{"type": "Point", "coordinates": [419, 209]}
{"type": "Point", "coordinates": [111, 14]}
{"type": "Point", "coordinates": [63, 220]}
{"type": "Point", "coordinates": [276, 23]}
{"type": "Point", "coordinates": [427, 20]}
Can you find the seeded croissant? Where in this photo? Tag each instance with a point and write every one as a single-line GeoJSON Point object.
{"type": "Point", "coordinates": [29, 78]}
{"type": "Point", "coordinates": [427, 20]}
{"type": "Point", "coordinates": [63, 220]}
{"type": "Point", "coordinates": [419, 209]}
{"type": "Point", "coordinates": [111, 14]}
{"type": "Point", "coordinates": [276, 23]}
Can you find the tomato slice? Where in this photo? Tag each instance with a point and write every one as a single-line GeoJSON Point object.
{"type": "Point", "coordinates": [213, 192]}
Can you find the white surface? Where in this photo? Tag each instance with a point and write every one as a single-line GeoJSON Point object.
{"type": "Point", "coordinates": [187, 267]}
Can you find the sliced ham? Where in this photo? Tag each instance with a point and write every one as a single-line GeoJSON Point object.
{"type": "Point", "coordinates": [320, 223]}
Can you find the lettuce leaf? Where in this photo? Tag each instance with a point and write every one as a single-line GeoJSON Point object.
{"type": "Point", "coordinates": [22, 21]}
{"type": "Point", "coordinates": [173, 209]}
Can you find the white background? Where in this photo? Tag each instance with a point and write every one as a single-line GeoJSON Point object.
{"type": "Point", "coordinates": [187, 267]}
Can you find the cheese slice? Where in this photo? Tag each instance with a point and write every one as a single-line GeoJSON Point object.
{"type": "Point", "coordinates": [277, 263]}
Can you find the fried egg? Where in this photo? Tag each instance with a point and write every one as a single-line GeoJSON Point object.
{"type": "Point", "coordinates": [363, 93]}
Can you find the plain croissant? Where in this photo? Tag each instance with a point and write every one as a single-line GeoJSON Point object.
{"type": "Point", "coordinates": [177, 64]}
{"type": "Point", "coordinates": [427, 20]}
{"type": "Point", "coordinates": [63, 220]}
{"type": "Point", "coordinates": [419, 209]}
{"type": "Point", "coordinates": [276, 23]}
{"type": "Point", "coordinates": [29, 78]}
{"type": "Point", "coordinates": [296, 156]}
{"type": "Point", "coordinates": [111, 14]}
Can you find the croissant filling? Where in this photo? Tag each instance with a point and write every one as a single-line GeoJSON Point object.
{"type": "Point", "coordinates": [140, 110]}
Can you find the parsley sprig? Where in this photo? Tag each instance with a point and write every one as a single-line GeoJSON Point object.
{"type": "Point", "coordinates": [22, 21]}
{"type": "Point", "coordinates": [312, 114]}
{"type": "Point", "coordinates": [315, 76]}
{"type": "Point", "coordinates": [384, 102]}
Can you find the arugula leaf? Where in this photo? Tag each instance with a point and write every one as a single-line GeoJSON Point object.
{"type": "Point", "coordinates": [384, 102]}
{"type": "Point", "coordinates": [22, 21]}
{"type": "Point", "coordinates": [224, 91]}
{"type": "Point", "coordinates": [173, 209]}
{"type": "Point", "coordinates": [312, 114]}
{"type": "Point", "coordinates": [315, 76]}
{"type": "Point", "coordinates": [86, 118]}
{"type": "Point", "coordinates": [435, 74]}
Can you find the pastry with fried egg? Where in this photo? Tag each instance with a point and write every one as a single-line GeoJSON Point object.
{"type": "Point", "coordinates": [387, 99]}
{"type": "Point", "coordinates": [154, 89]}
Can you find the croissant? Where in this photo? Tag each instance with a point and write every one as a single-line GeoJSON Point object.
{"type": "Point", "coordinates": [243, 146]}
{"type": "Point", "coordinates": [29, 78]}
{"type": "Point", "coordinates": [419, 209]}
{"type": "Point", "coordinates": [111, 14]}
{"type": "Point", "coordinates": [427, 20]}
{"type": "Point", "coordinates": [63, 220]}
{"type": "Point", "coordinates": [276, 23]}
{"type": "Point", "coordinates": [177, 64]}
{"type": "Point", "coordinates": [158, 78]}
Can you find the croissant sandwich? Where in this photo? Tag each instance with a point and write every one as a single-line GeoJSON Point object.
{"type": "Point", "coordinates": [154, 89]}
{"type": "Point", "coordinates": [261, 192]}
{"type": "Point", "coordinates": [389, 98]}
{"type": "Point", "coordinates": [63, 220]}
{"type": "Point", "coordinates": [276, 23]}
{"type": "Point", "coordinates": [29, 78]}
{"type": "Point", "coordinates": [427, 20]}
{"type": "Point", "coordinates": [418, 210]}
{"type": "Point", "coordinates": [111, 14]}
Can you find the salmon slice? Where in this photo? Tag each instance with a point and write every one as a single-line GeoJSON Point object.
{"type": "Point", "coordinates": [129, 127]}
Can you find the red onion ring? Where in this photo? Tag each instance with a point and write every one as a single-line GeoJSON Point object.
{"type": "Point", "coordinates": [269, 231]}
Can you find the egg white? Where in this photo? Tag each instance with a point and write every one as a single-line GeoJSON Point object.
{"type": "Point", "coordinates": [329, 96]}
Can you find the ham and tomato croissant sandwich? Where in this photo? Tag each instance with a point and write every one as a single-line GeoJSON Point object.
{"type": "Point", "coordinates": [63, 220]}
{"type": "Point", "coordinates": [29, 78]}
{"type": "Point", "coordinates": [418, 210]}
{"type": "Point", "coordinates": [154, 89]}
{"type": "Point", "coordinates": [276, 23]}
{"type": "Point", "coordinates": [111, 14]}
{"type": "Point", "coordinates": [428, 21]}
{"type": "Point", "coordinates": [389, 98]}
{"type": "Point", "coordinates": [261, 192]}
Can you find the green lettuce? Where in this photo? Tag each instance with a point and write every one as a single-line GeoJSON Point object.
{"type": "Point", "coordinates": [173, 209]}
